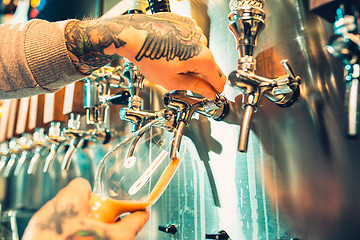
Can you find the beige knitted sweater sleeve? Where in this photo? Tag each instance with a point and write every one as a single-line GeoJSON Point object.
{"type": "Point", "coordinates": [34, 59]}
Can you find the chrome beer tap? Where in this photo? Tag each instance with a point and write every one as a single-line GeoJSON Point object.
{"type": "Point", "coordinates": [97, 97]}
{"type": "Point", "coordinates": [56, 138]}
{"type": "Point", "coordinates": [246, 22]}
{"type": "Point", "coordinates": [133, 112]}
{"type": "Point", "coordinates": [162, 116]}
{"type": "Point", "coordinates": [39, 139]}
{"type": "Point", "coordinates": [345, 45]}
{"type": "Point", "coordinates": [72, 132]}
{"type": "Point", "coordinates": [14, 150]}
{"type": "Point", "coordinates": [97, 100]}
{"type": "Point", "coordinates": [52, 114]}
{"type": "Point", "coordinates": [26, 144]}
{"type": "Point", "coordinates": [186, 105]}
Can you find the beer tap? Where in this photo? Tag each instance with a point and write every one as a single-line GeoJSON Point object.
{"type": "Point", "coordinates": [93, 98]}
{"type": "Point", "coordinates": [133, 113]}
{"type": "Point", "coordinates": [97, 96]}
{"type": "Point", "coordinates": [74, 109]}
{"type": "Point", "coordinates": [39, 137]}
{"type": "Point", "coordinates": [345, 45]}
{"type": "Point", "coordinates": [186, 105]}
{"type": "Point", "coordinates": [246, 22]}
{"type": "Point", "coordinates": [14, 147]}
{"type": "Point", "coordinates": [54, 103]}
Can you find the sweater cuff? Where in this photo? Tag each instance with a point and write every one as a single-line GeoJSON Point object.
{"type": "Point", "coordinates": [47, 55]}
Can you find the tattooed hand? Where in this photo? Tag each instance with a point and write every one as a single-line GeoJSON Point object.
{"type": "Point", "coordinates": [170, 50]}
{"type": "Point", "coordinates": [67, 217]}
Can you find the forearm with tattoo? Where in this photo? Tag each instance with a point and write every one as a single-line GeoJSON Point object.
{"type": "Point", "coordinates": [86, 41]}
{"type": "Point", "coordinates": [168, 36]}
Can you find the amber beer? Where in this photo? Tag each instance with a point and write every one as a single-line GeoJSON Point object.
{"type": "Point", "coordinates": [107, 209]}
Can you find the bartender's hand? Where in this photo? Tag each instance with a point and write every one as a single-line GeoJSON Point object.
{"type": "Point", "coordinates": [67, 217]}
{"type": "Point", "coordinates": [170, 50]}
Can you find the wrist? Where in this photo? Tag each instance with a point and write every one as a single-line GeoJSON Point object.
{"type": "Point", "coordinates": [85, 45]}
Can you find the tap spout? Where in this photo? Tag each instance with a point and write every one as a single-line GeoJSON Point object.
{"type": "Point", "coordinates": [34, 161]}
{"type": "Point", "coordinates": [186, 105]}
{"type": "Point", "coordinates": [9, 166]}
{"type": "Point", "coordinates": [245, 127]}
{"type": "Point", "coordinates": [352, 101]}
{"type": "Point", "coordinates": [50, 158]}
{"type": "Point", "coordinates": [21, 163]}
{"type": "Point", "coordinates": [67, 158]}
{"type": "Point", "coordinates": [175, 145]}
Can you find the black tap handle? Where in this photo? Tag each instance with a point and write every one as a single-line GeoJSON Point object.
{"type": "Point", "coordinates": [220, 235]}
{"type": "Point", "coordinates": [121, 98]}
{"type": "Point", "coordinates": [171, 229]}
{"type": "Point", "coordinates": [159, 6]}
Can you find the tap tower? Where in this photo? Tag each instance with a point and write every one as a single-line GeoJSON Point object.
{"type": "Point", "coordinates": [246, 22]}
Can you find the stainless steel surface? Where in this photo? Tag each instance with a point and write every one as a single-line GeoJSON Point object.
{"type": "Point", "coordinates": [299, 177]}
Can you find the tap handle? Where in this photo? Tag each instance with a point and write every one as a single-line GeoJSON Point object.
{"type": "Point", "coordinates": [5, 114]}
{"type": "Point", "coordinates": [36, 112]}
{"type": "Point", "coordinates": [74, 98]}
{"type": "Point", "coordinates": [53, 108]}
{"type": "Point", "coordinates": [159, 6]}
{"type": "Point", "coordinates": [294, 79]}
{"type": "Point", "coordinates": [286, 65]}
{"type": "Point", "coordinates": [22, 120]}
{"type": "Point", "coordinates": [121, 98]}
{"type": "Point", "coordinates": [134, 77]}
{"type": "Point", "coordinates": [220, 235]}
{"type": "Point", "coordinates": [11, 125]}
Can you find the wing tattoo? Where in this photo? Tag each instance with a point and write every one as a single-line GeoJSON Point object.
{"type": "Point", "coordinates": [169, 38]}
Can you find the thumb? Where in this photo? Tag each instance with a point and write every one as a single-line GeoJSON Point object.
{"type": "Point", "coordinates": [131, 224]}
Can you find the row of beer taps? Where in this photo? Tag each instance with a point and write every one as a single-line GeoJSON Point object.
{"type": "Point", "coordinates": [246, 22]}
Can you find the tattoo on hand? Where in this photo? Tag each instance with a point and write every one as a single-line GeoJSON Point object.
{"type": "Point", "coordinates": [87, 42]}
{"type": "Point", "coordinates": [168, 38]}
{"type": "Point", "coordinates": [57, 218]}
{"type": "Point", "coordinates": [89, 235]}
{"type": "Point", "coordinates": [219, 72]}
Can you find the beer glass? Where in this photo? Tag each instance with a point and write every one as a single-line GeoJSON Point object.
{"type": "Point", "coordinates": [135, 173]}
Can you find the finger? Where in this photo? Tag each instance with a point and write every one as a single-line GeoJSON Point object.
{"type": "Point", "coordinates": [204, 40]}
{"type": "Point", "coordinates": [211, 71]}
{"type": "Point", "coordinates": [77, 193]}
{"type": "Point", "coordinates": [131, 224]}
{"type": "Point", "coordinates": [196, 84]}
